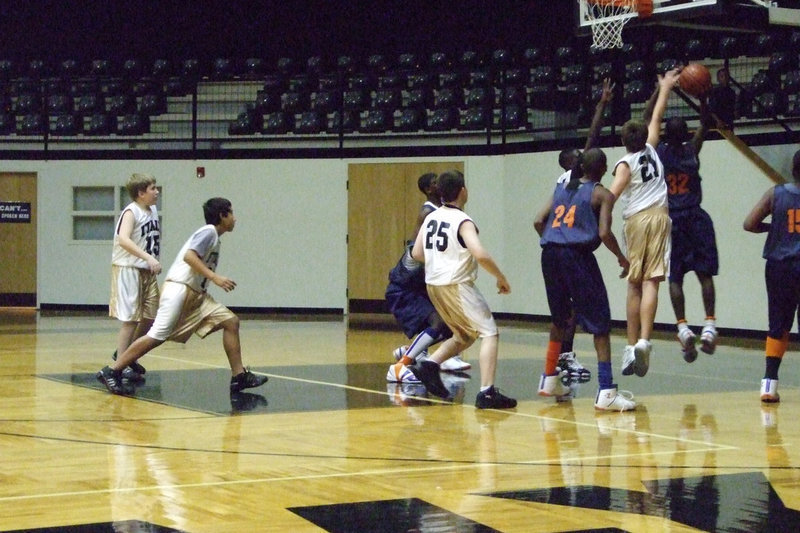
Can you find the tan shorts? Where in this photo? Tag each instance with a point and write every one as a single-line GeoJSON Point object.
{"type": "Point", "coordinates": [183, 311]}
{"type": "Point", "coordinates": [649, 242]}
{"type": "Point", "coordinates": [464, 310]}
{"type": "Point", "coordinates": [134, 294]}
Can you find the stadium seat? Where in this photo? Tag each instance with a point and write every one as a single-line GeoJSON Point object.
{"type": "Point", "coordinates": [100, 124]}
{"type": "Point", "coordinates": [31, 124]}
{"type": "Point", "coordinates": [58, 104]}
{"type": "Point", "coordinates": [311, 122]}
{"type": "Point", "coordinates": [144, 86]}
{"type": "Point", "coordinates": [248, 122]}
{"type": "Point", "coordinates": [254, 68]}
{"type": "Point", "coordinates": [377, 121]}
{"type": "Point", "coordinates": [325, 101]}
{"type": "Point", "coordinates": [445, 98]}
{"type": "Point", "coordinates": [162, 69]}
{"type": "Point", "coordinates": [420, 98]}
{"type": "Point", "coordinates": [355, 100]}
{"type": "Point", "coordinates": [133, 124]}
{"type": "Point", "coordinates": [409, 62]}
{"type": "Point", "coordinates": [443, 119]}
{"type": "Point", "coordinates": [292, 102]}
{"type": "Point", "coordinates": [69, 68]}
{"type": "Point", "coordinates": [121, 104]}
{"type": "Point", "coordinates": [277, 123]}
{"type": "Point", "coordinates": [89, 104]}
{"type": "Point", "coordinates": [479, 97]}
{"type": "Point", "coordinates": [410, 120]}
{"type": "Point", "coordinates": [388, 99]}
{"type": "Point", "coordinates": [350, 123]}
{"type": "Point", "coordinates": [64, 125]}
{"type": "Point", "coordinates": [152, 104]}
{"type": "Point", "coordinates": [475, 119]}
{"type": "Point", "coordinates": [132, 69]}
{"type": "Point", "coordinates": [100, 68]}
{"type": "Point", "coordinates": [27, 104]}
{"type": "Point", "coordinates": [514, 117]}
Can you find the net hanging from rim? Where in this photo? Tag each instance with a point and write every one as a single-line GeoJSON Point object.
{"type": "Point", "coordinates": [608, 17]}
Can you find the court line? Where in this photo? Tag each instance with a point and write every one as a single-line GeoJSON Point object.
{"type": "Point", "coordinates": [718, 447]}
{"type": "Point", "coordinates": [374, 472]}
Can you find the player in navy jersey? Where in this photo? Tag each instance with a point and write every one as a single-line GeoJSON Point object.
{"type": "Point", "coordinates": [694, 246]}
{"type": "Point", "coordinates": [572, 225]}
{"type": "Point", "coordinates": [782, 272]}
{"type": "Point", "coordinates": [569, 160]}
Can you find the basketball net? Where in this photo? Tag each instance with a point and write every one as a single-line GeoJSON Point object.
{"type": "Point", "coordinates": [608, 17]}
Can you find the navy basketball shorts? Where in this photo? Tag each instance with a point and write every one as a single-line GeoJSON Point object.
{"type": "Point", "coordinates": [410, 307]}
{"type": "Point", "coordinates": [783, 295]}
{"type": "Point", "coordinates": [694, 244]}
{"type": "Point", "coordinates": [573, 282]}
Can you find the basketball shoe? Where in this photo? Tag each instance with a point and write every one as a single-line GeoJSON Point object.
{"type": "Point", "coordinates": [614, 400]}
{"type": "Point", "coordinates": [399, 373]}
{"type": "Point", "coordinates": [569, 363]}
{"type": "Point", "coordinates": [708, 339]}
{"type": "Point", "coordinates": [492, 399]}
{"type": "Point", "coordinates": [628, 361]}
{"type": "Point", "coordinates": [641, 353]}
{"type": "Point", "coordinates": [111, 379]}
{"type": "Point", "coordinates": [455, 364]}
{"type": "Point", "coordinates": [246, 380]}
{"type": "Point", "coordinates": [769, 391]}
{"type": "Point", "coordinates": [553, 386]}
{"type": "Point", "coordinates": [136, 367]}
{"type": "Point", "coordinates": [687, 339]}
{"type": "Point", "coordinates": [428, 373]}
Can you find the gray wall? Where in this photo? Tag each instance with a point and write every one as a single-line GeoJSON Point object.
{"type": "Point", "coordinates": [289, 247]}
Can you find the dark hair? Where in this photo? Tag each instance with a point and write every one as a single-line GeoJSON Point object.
{"type": "Point", "coordinates": [449, 184]}
{"type": "Point", "coordinates": [425, 181]}
{"type": "Point", "coordinates": [676, 131]}
{"type": "Point", "coordinates": [634, 135]}
{"type": "Point", "coordinates": [567, 158]}
{"type": "Point", "coordinates": [216, 208]}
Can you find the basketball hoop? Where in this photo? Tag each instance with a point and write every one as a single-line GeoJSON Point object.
{"type": "Point", "coordinates": [608, 17]}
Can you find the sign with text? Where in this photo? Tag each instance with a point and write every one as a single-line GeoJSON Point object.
{"type": "Point", "coordinates": [15, 212]}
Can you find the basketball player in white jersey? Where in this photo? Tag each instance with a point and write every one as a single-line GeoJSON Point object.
{"type": "Point", "coordinates": [639, 183]}
{"type": "Point", "coordinates": [135, 266]}
{"type": "Point", "coordinates": [185, 306]}
{"type": "Point", "coordinates": [449, 246]}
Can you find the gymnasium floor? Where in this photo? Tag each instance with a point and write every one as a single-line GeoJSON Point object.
{"type": "Point", "coordinates": [328, 445]}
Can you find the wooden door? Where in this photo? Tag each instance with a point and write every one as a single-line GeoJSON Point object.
{"type": "Point", "coordinates": [383, 203]}
{"type": "Point", "coordinates": [18, 238]}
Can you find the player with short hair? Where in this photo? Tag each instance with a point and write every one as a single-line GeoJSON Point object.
{"type": "Point", "coordinates": [449, 246]}
{"type": "Point", "coordinates": [135, 267]}
{"type": "Point", "coordinates": [572, 224]}
{"type": "Point", "coordinates": [694, 245]}
{"type": "Point", "coordinates": [570, 160]}
{"type": "Point", "coordinates": [186, 307]}
{"type": "Point", "coordinates": [782, 270]}
{"type": "Point", "coordinates": [639, 183]}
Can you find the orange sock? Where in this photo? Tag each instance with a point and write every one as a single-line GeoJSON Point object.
{"type": "Point", "coordinates": [551, 361]}
{"type": "Point", "coordinates": [777, 347]}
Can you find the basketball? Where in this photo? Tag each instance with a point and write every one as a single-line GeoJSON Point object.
{"type": "Point", "coordinates": [695, 79]}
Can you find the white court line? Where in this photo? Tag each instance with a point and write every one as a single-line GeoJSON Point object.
{"type": "Point", "coordinates": [713, 446]}
{"type": "Point", "coordinates": [378, 472]}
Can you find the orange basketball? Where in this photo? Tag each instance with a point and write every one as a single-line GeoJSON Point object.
{"type": "Point", "coordinates": [695, 79]}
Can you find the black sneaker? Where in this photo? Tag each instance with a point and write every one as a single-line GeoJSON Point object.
{"type": "Point", "coordinates": [111, 379]}
{"type": "Point", "coordinates": [131, 375]}
{"type": "Point", "coordinates": [492, 399]}
{"type": "Point", "coordinates": [427, 372]}
{"type": "Point", "coordinates": [246, 380]}
{"type": "Point", "coordinates": [136, 367]}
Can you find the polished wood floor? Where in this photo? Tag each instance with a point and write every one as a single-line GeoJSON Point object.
{"type": "Point", "coordinates": [328, 445]}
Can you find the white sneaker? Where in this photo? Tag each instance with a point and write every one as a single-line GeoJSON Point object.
{"type": "Point", "coordinates": [399, 351]}
{"type": "Point", "coordinates": [769, 391]}
{"type": "Point", "coordinates": [687, 338]}
{"type": "Point", "coordinates": [399, 373]}
{"type": "Point", "coordinates": [708, 339]}
{"type": "Point", "coordinates": [614, 400]}
{"type": "Point", "coordinates": [552, 386]}
{"type": "Point", "coordinates": [455, 364]}
{"type": "Point", "coordinates": [628, 360]}
{"type": "Point", "coordinates": [641, 351]}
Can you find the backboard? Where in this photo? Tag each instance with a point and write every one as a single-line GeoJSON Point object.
{"type": "Point", "coordinates": [709, 15]}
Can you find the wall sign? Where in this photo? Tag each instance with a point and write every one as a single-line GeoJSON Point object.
{"type": "Point", "coordinates": [15, 212]}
